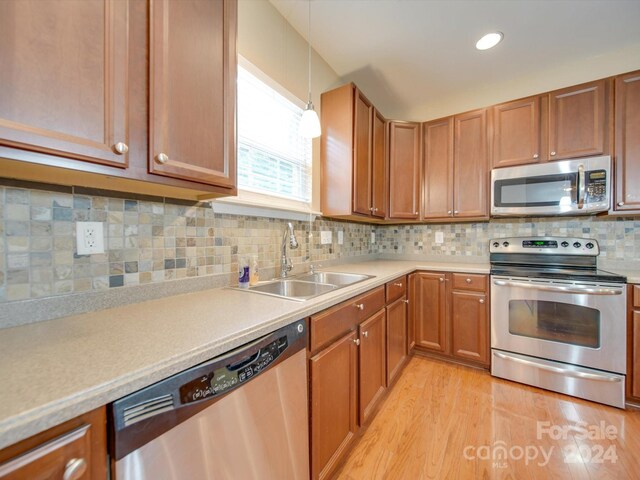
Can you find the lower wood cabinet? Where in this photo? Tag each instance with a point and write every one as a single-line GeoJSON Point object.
{"type": "Point", "coordinates": [373, 363]}
{"type": "Point", "coordinates": [449, 315]}
{"type": "Point", "coordinates": [76, 449]}
{"type": "Point", "coordinates": [633, 345]}
{"type": "Point", "coordinates": [397, 348]}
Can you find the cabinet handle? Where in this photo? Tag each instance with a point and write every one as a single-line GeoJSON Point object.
{"type": "Point", "coordinates": [535, 155]}
{"type": "Point", "coordinates": [416, 213]}
{"type": "Point", "coordinates": [455, 212]}
{"type": "Point", "coordinates": [356, 341]}
{"type": "Point", "coordinates": [468, 280]}
{"type": "Point", "coordinates": [621, 204]}
{"type": "Point", "coordinates": [449, 212]}
{"type": "Point", "coordinates": [553, 154]}
{"type": "Point", "coordinates": [121, 148]}
{"type": "Point", "coordinates": [406, 301]}
{"type": "Point", "coordinates": [398, 284]}
{"type": "Point", "coordinates": [371, 209]}
{"type": "Point", "coordinates": [359, 306]}
{"type": "Point", "coordinates": [365, 334]}
{"type": "Point", "coordinates": [441, 279]}
{"type": "Point", "coordinates": [375, 209]}
{"type": "Point", "coordinates": [162, 158]}
{"type": "Point", "coordinates": [75, 468]}
{"type": "Point", "coordinates": [481, 300]}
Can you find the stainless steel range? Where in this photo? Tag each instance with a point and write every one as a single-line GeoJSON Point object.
{"type": "Point", "coordinates": [557, 321]}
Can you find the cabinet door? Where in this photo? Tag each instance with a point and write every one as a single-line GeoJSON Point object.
{"type": "Point", "coordinates": [404, 170]}
{"type": "Point", "coordinates": [438, 168]}
{"type": "Point", "coordinates": [635, 356]}
{"type": "Point", "coordinates": [428, 307]}
{"type": "Point", "coordinates": [471, 166]}
{"type": "Point", "coordinates": [577, 121]}
{"type": "Point", "coordinates": [64, 78]}
{"type": "Point", "coordinates": [627, 159]}
{"type": "Point", "coordinates": [396, 338]}
{"type": "Point", "coordinates": [192, 90]}
{"type": "Point", "coordinates": [470, 326]}
{"type": "Point", "coordinates": [363, 112]}
{"type": "Point", "coordinates": [380, 167]}
{"type": "Point", "coordinates": [517, 133]}
{"type": "Point", "coordinates": [373, 363]}
{"type": "Point", "coordinates": [333, 403]}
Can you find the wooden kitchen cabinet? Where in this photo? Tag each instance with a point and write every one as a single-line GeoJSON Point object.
{"type": "Point", "coordinates": [627, 143]}
{"type": "Point", "coordinates": [354, 156]}
{"type": "Point", "coordinates": [518, 132]}
{"type": "Point", "coordinates": [64, 79]}
{"type": "Point", "coordinates": [580, 120]}
{"type": "Point", "coordinates": [428, 311]}
{"type": "Point", "coordinates": [397, 343]}
{"type": "Point", "coordinates": [192, 49]}
{"type": "Point", "coordinates": [404, 170]}
{"type": "Point", "coordinates": [633, 344]}
{"type": "Point", "coordinates": [450, 315]}
{"type": "Point", "coordinates": [373, 363]}
{"type": "Point", "coordinates": [78, 445]}
{"type": "Point", "coordinates": [456, 167]}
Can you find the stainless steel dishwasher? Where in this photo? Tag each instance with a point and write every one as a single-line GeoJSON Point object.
{"type": "Point", "coordinates": [242, 415]}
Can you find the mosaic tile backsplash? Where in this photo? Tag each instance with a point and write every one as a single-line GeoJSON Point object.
{"type": "Point", "coordinates": [158, 240]}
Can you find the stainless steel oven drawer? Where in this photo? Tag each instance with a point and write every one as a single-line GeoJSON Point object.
{"type": "Point", "coordinates": [595, 385]}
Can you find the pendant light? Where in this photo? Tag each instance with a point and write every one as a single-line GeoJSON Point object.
{"type": "Point", "coordinates": [309, 123]}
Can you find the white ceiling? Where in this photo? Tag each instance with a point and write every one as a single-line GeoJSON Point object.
{"type": "Point", "coordinates": [416, 59]}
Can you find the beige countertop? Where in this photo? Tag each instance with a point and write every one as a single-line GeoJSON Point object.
{"type": "Point", "coordinates": [55, 370]}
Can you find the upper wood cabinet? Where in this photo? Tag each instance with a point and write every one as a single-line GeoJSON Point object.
{"type": "Point", "coordinates": [64, 78]}
{"type": "Point", "coordinates": [627, 138]}
{"type": "Point", "coordinates": [192, 49]}
{"type": "Point", "coordinates": [404, 170]}
{"type": "Point", "coordinates": [456, 167]}
{"type": "Point", "coordinates": [354, 156]}
{"type": "Point", "coordinates": [518, 132]}
{"type": "Point", "coordinates": [579, 120]}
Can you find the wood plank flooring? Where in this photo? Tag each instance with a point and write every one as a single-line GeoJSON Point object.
{"type": "Point", "coordinates": [444, 421]}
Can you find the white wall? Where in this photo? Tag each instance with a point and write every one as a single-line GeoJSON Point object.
{"type": "Point", "coordinates": [270, 43]}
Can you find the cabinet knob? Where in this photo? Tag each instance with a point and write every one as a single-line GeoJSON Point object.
{"type": "Point", "coordinates": [121, 148]}
{"type": "Point", "coordinates": [621, 204]}
{"type": "Point", "coordinates": [359, 306]}
{"type": "Point", "coordinates": [449, 212]}
{"type": "Point", "coordinates": [416, 213]}
{"type": "Point", "coordinates": [371, 209]}
{"type": "Point", "coordinates": [553, 154]}
{"type": "Point", "coordinates": [441, 279]}
{"type": "Point", "coordinates": [75, 469]}
{"type": "Point", "coordinates": [365, 334]}
{"type": "Point", "coordinates": [535, 155]}
{"type": "Point", "coordinates": [455, 212]}
{"type": "Point", "coordinates": [406, 301]}
{"type": "Point", "coordinates": [375, 209]}
{"type": "Point", "coordinates": [468, 280]}
{"type": "Point", "coordinates": [356, 341]}
{"type": "Point", "coordinates": [398, 284]}
{"type": "Point", "coordinates": [481, 300]}
{"type": "Point", "coordinates": [162, 158]}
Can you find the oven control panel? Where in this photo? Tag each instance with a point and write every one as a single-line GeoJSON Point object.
{"type": "Point", "coordinates": [545, 245]}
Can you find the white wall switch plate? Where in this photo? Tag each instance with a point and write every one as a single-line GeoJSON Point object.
{"type": "Point", "coordinates": [373, 237]}
{"type": "Point", "coordinates": [439, 237]}
{"type": "Point", "coordinates": [89, 238]}
{"type": "Point", "coordinates": [325, 237]}
{"type": "Point", "coordinates": [340, 237]}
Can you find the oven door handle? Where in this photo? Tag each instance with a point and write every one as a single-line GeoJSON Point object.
{"type": "Point", "coordinates": [563, 371]}
{"type": "Point", "coordinates": [581, 186]}
{"type": "Point", "coordinates": [560, 289]}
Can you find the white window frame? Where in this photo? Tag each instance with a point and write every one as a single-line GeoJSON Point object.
{"type": "Point", "coordinates": [264, 205]}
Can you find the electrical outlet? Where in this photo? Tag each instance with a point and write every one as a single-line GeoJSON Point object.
{"type": "Point", "coordinates": [325, 237]}
{"type": "Point", "coordinates": [439, 237]}
{"type": "Point", "coordinates": [373, 237]}
{"type": "Point", "coordinates": [89, 238]}
{"type": "Point", "coordinates": [340, 237]}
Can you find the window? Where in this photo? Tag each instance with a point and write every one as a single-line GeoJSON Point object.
{"type": "Point", "coordinates": [273, 159]}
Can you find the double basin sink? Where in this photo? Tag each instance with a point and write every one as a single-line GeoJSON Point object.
{"type": "Point", "coordinates": [308, 285]}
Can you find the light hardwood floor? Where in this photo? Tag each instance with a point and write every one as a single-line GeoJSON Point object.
{"type": "Point", "coordinates": [444, 421]}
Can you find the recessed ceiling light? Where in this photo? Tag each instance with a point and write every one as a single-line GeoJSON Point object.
{"type": "Point", "coordinates": [489, 40]}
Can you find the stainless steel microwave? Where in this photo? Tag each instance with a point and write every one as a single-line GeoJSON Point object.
{"type": "Point", "coordinates": [566, 187]}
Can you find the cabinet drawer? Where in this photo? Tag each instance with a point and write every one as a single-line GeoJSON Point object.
{"type": "Point", "coordinates": [337, 320]}
{"type": "Point", "coordinates": [466, 281]}
{"type": "Point", "coordinates": [396, 289]}
{"type": "Point", "coordinates": [636, 295]}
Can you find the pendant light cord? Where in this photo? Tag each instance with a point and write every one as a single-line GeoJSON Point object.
{"type": "Point", "coordinates": [309, 46]}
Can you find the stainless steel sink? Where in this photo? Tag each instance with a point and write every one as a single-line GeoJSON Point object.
{"type": "Point", "coordinates": [293, 289]}
{"type": "Point", "coordinates": [333, 278]}
{"type": "Point", "coordinates": [308, 285]}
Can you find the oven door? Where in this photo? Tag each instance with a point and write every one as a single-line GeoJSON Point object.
{"type": "Point", "coordinates": [571, 322]}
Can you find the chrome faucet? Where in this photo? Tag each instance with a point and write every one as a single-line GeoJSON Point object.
{"type": "Point", "coordinates": [289, 236]}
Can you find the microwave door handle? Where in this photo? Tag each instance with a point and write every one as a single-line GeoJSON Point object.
{"type": "Point", "coordinates": [581, 186]}
{"type": "Point", "coordinates": [559, 289]}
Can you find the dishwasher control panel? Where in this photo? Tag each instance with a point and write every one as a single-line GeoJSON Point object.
{"type": "Point", "coordinates": [230, 376]}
